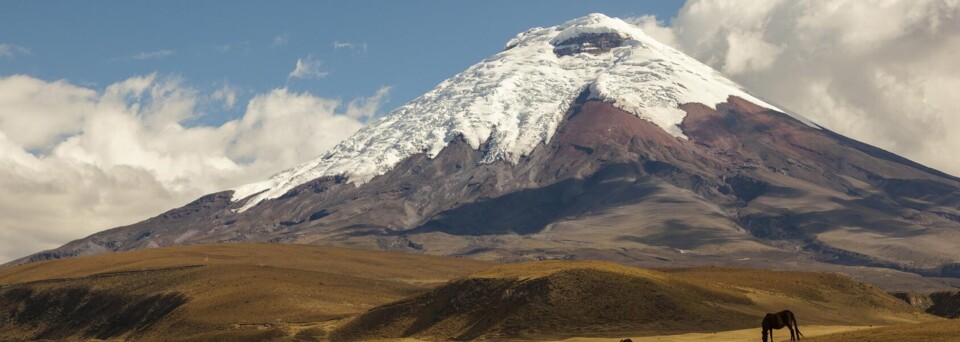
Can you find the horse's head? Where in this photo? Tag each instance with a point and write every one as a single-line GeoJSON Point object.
{"type": "Point", "coordinates": [765, 325]}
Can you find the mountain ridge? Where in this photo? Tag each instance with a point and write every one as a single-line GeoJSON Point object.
{"type": "Point", "coordinates": [735, 183]}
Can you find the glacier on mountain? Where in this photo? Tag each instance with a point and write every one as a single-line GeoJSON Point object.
{"type": "Point", "coordinates": [515, 100]}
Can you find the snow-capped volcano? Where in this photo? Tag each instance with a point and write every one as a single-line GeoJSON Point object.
{"type": "Point", "coordinates": [590, 140]}
{"type": "Point", "coordinates": [515, 100]}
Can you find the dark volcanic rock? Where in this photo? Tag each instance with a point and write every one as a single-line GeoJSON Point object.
{"type": "Point", "coordinates": [592, 43]}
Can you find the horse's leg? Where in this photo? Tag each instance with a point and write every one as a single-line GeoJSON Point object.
{"type": "Point", "coordinates": [792, 336]}
{"type": "Point", "coordinates": [797, 326]}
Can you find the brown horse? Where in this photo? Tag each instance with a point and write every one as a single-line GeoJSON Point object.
{"type": "Point", "coordinates": [779, 320]}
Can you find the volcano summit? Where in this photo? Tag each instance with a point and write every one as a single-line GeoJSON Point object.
{"type": "Point", "coordinates": [590, 140]}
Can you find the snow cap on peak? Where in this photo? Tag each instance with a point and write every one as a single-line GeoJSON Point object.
{"type": "Point", "coordinates": [514, 100]}
{"type": "Point", "coordinates": [594, 23]}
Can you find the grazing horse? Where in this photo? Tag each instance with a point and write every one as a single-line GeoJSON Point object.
{"type": "Point", "coordinates": [779, 320]}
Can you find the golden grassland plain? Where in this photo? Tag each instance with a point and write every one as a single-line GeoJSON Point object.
{"type": "Point", "coordinates": [752, 334]}
{"type": "Point", "coordinates": [299, 292]}
{"type": "Point", "coordinates": [937, 331]}
{"type": "Point", "coordinates": [246, 290]}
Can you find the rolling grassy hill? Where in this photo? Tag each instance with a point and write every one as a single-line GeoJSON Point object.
{"type": "Point", "coordinates": [560, 299]}
{"type": "Point", "coordinates": [229, 291]}
{"type": "Point", "coordinates": [296, 292]}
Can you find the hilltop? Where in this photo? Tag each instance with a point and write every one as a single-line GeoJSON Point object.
{"type": "Point", "coordinates": [561, 299]}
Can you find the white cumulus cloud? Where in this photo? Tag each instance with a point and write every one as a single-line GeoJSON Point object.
{"type": "Point", "coordinates": [74, 160]}
{"type": "Point", "coordinates": [308, 68]}
{"type": "Point", "coordinates": [226, 94]}
{"type": "Point", "coordinates": [880, 71]}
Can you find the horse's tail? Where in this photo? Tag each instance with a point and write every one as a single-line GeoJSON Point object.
{"type": "Point", "coordinates": [795, 325]}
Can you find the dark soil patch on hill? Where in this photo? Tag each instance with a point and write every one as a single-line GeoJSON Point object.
{"type": "Point", "coordinates": [943, 304]}
{"type": "Point", "coordinates": [59, 313]}
{"type": "Point", "coordinates": [573, 302]}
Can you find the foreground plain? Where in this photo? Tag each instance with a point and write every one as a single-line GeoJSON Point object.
{"type": "Point", "coordinates": [230, 291]}
{"type": "Point", "coordinates": [298, 292]}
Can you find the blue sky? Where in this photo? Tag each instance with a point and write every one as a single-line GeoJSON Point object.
{"type": "Point", "coordinates": [253, 46]}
